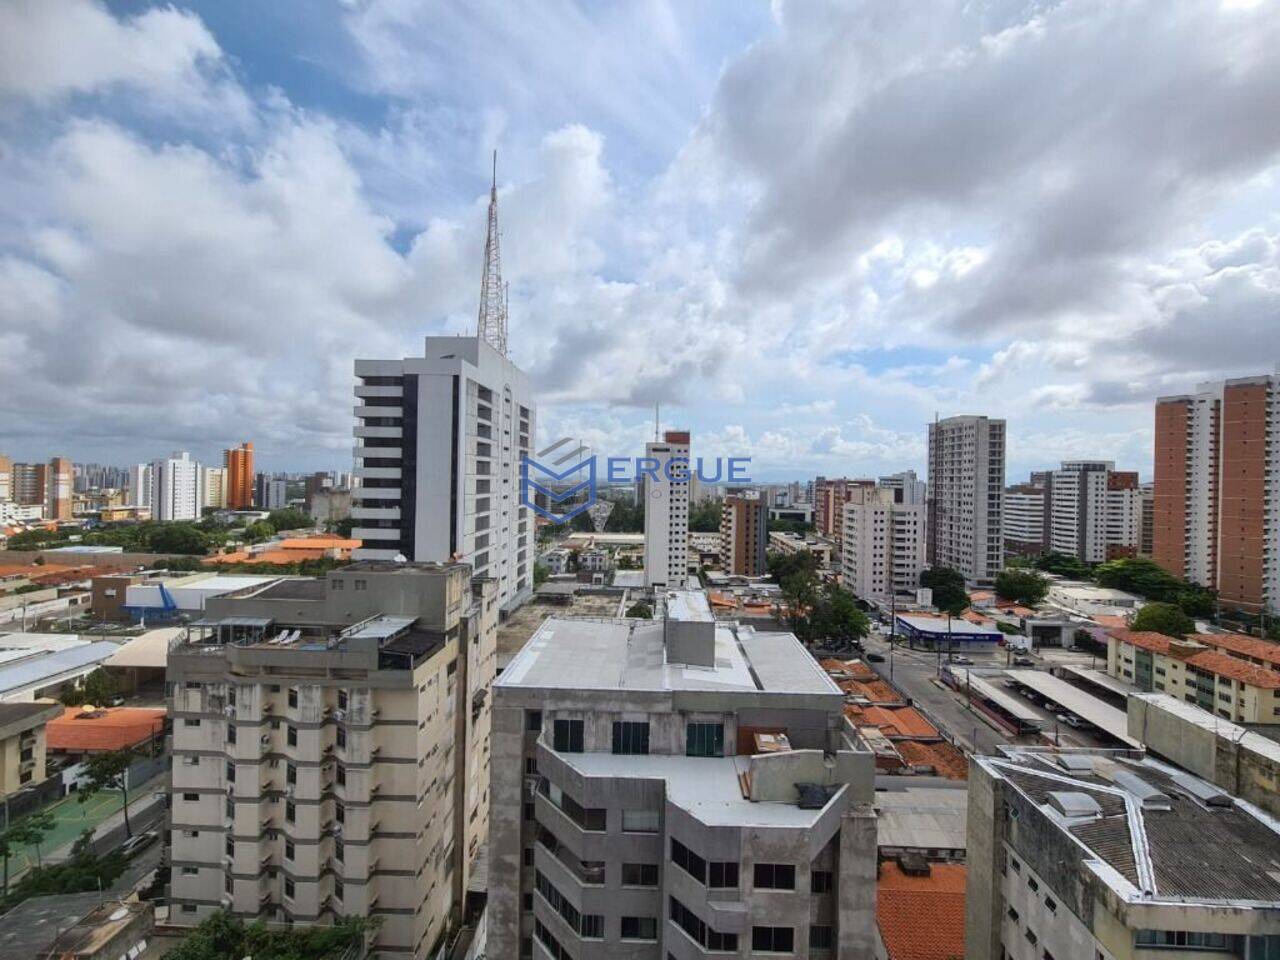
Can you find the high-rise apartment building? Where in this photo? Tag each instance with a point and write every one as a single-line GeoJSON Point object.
{"type": "Point", "coordinates": [884, 543]}
{"type": "Point", "coordinates": [238, 486]}
{"type": "Point", "coordinates": [1026, 520]}
{"type": "Point", "coordinates": [1147, 504]}
{"type": "Point", "coordinates": [1217, 474]}
{"type": "Point", "coordinates": [744, 534]}
{"type": "Point", "coordinates": [270, 493]}
{"type": "Point", "coordinates": [666, 511]}
{"type": "Point", "coordinates": [330, 751]}
{"type": "Point", "coordinates": [829, 498]}
{"type": "Point", "coordinates": [906, 487]}
{"type": "Point", "coordinates": [966, 496]}
{"type": "Point", "coordinates": [214, 487]}
{"type": "Point", "coordinates": [676, 787]}
{"type": "Point", "coordinates": [47, 485]}
{"type": "Point", "coordinates": [138, 485]}
{"type": "Point", "coordinates": [439, 440]}
{"type": "Point", "coordinates": [6, 479]}
{"type": "Point", "coordinates": [177, 484]}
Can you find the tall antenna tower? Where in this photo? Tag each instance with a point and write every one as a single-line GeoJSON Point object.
{"type": "Point", "coordinates": [491, 326]}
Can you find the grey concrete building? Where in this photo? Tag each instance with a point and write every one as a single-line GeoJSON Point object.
{"type": "Point", "coordinates": [676, 787]}
{"type": "Point", "coordinates": [966, 496]}
{"type": "Point", "coordinates": [1110, 855]}
{"type": "Point", "coordinates": [330, 750]}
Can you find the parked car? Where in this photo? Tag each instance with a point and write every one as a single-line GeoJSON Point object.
{"type": "Point", "coordinates": [1071, 720]}
{"type": "Point", "coordinates": [1023, 662]}
{"type": "Point", "coordinates": [876, 657]}
{"type": "Point", "coordinates": [140, 842]}
{"type": "Point", "coordinates": [962, 660]}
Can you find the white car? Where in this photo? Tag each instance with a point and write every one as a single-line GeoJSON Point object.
{"type": "Point", "coordinates": [1071, 720]}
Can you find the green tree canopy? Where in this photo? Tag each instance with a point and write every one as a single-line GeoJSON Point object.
{"type": "Point", "coordinates": [1165, 618]}
{"type": "Point", "coordinates": [640, 611]}
{"type": "Point", "coordinates": [949, 592]}
{"type": "Point", "coordinates": [290, 518]}
{"type": "Point", "coordinates": [109, 771]}
{"type": "Point", "coordinates": [783, 565]}
{"type": "Point", "coordinates": [1151, 581]}
{"type": "Point", "coordinates": [1064, 565]}
{"type": "Point", "coordinates": [704, 517]}
{"type": "Point", "coordinates": [1021, 585]}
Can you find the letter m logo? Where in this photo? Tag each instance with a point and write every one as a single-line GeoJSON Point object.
{"type": "Point", "coordinates": [553, 490]}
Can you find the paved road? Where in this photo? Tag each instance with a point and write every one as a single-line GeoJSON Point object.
{"type": "Point", "coordinates": [915, 674]}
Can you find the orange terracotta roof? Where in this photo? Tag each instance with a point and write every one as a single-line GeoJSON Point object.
{"type": "Point", "coordinates": [720, 600]}
{"type": "Point", "coordinates": [921, 918]}
{"type": "Point", "coordinates": [976, 618]}
{"type": "Point", "coordinates": [1238, 643]}
{"type": "Point", "coordinates": [894, 722]}
{"type": "Point", "coordinates": [1225, 665]}
{"type": "Point", "coordinates": [979, 595]}
{"type": "Point", "coordinates": [236, 556]}
{"type": "Point", "coordinates": [111, 728]}
{"type": "Point", "coordinates": [877, 691]}
{"type": "Point", "coordinates": [942, 756]}
{"type": "Point", "coordinates": [854, 669]}
{"type": "Point", "coordinates": [1145, 639]}
{"type": "Point", "coordinates": [322, 542]}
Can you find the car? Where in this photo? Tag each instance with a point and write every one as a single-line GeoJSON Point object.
{"type": "Point", "coordinates": [876, 657]}
{"type": "Point", "coordinates": [1071, 720]}
{"type": "Point", "coordinates": [140, 842]}
{"type": "Point", "coordinates": [962, 660]}
{"type": "Point", "coordinates": [1023, 662]}
{"type": "Point", "coordinates": [116, 701]}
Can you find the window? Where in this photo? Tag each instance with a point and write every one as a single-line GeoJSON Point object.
{"type": "Point", "coordinates": [1014, 865]}
{"type": "Point", "coordinates": [640, 821]}
{"type": "Point", "coordinates": [231, 809]}
{"type": "Point", "coordinates": [820, 937]}
{"type": "Point", "coordinates": [704, 740]}
{"type": "Point", "coordinates": [341, 737]}
{"type": "Point", "coordinates": [819, 881]}
{"type": "Point", "coordinates": [631, 736]}
{"type": "Point", "coordinates": [231, 846]}
{"type": "Point", "coordinates": [774, 876]}
{"type": "Point", "coordinates": [188, 908]}
{"type": "Point", "coordinates": [190, 871]}
{"type": "Point", "coordinates": [231, 733]}
{"type": "Point", "coordinates": [191, 797]}
{"type": "Point", "coordinates": [362, 585]}
{"type": "Point", "coordinates": [530, 766]}
{"type": "Point", "coordinates": [592, 927]}
{"type": "Point", "coordinates": [773, 939]}
{"type": "Point", "coordinates": [288, 889]}
{"type": "Point", "coordinates": [231, 772]}
{"type": "Point", "coordinates": [699, 932]}
{"type": "Point", "coordinates": [339, 813]}
{"type": "Point", "coordinates": [342, 699]}
{"type": "Point", "coordinates": [290, 773]}
{"type": "Point", "coordinates": [192, 723]}
{"type": "Point", "coordinates": [640, 874]}
{"type": "Point", "coordinates": [291, 736]}
{"type": "Point", "coordinates": [338, 850]}
{"type": "Point", "coordinates": [1031, 882]}
{"type": "Point", "coordinates": [340, 775]}
{"type": "Point", "coordinates": [567, 736]}
{"type": "Point", "coordinates": [1013, 914]}
{"type": "Point", "coordinates": [288, 849]}
{"type": "Point", "coordinates": [1050, 904]}
{"type": "Point", "coordinates": [722, 874]}
{"type": "Point", "coordinates": [289, 811]}
{"type": "Point", "coordinates": [639, 928]}
{"type": "Point", "coordinates": [688, 861]}
{"type": "Point", "coordinates": [337, 888]}
{"type": "Point", "coordinates": [293, 696]}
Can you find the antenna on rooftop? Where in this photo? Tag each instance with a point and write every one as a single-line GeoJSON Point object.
{"type": "Point", "coordinates": [656, 406]}
{"type": "Point", "coordinates": [491, 325]}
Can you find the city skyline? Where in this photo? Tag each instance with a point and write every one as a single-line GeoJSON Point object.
{"type": "Point", "coordinates": [823, 307]}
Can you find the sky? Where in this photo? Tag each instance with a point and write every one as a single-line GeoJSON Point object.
{"type": "Point", "coordinates": [802, 228]}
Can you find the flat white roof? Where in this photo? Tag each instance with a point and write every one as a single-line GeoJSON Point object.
{"type": "Point", "coordinates": [151, 649]}
{"type": "Point", "coordinates": [1011, 703]}
{"type": "Point", "coordinates": [931, 817]}
{"type": "Point", "coordinates": [1101, 679]}
{"type": "Point", "coordinates": [939, 625]}
{"type": "Point", "coordinates": [1102, 715]}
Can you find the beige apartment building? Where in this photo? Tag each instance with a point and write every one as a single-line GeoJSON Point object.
{"type": "Point", "coordinates": [1210, 671]}
{"type": "Point", "coordinates": [331, 751]}
{"type": "Point", "coordinates": [22, 743]}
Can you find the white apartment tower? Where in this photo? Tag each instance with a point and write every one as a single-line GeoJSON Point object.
{"type": "Point", "coordinates": [885, 542]}
{"type": "Point", "coordinates": [177, 488]}
{"type": "Point", "coordinates": [666, 511]}
{"type": "Point", "coordinates": [966, 489]}
{"type": "Point", "coordinates": [439, 441]}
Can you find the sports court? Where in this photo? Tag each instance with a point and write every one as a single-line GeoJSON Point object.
{"type": "Point", "coordinates": [71, 818]}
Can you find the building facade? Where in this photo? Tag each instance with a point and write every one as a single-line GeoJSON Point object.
{"type": "Point", "coordinates": [829, 498]}
{"type": "Point", "coordinates": [884, 544]}
{"type": "Point", "coordinates": [966, 496]}
{"type": "Point", "coordinates": [743, 534]}
{"type": "Point", "coordinates": [138, 485]}
{"type": "Point", "coordinates": [330, 751]}
{"type": "Point", "coordinates": [666, 511]}
{"type": "Point", "coordinates": [177, 484]}
{"type": "Point", "coordinates": [214, 488]}
{"type": "Point", "coordinates": [647, 797]}
{"type": "Point", "coordinates": [1026, 520]}
{"type": "Point", "coordinates": [238, 487]}
{"type": "Point", "coordinates": [1217, 472]}
{"type": "Point", "coordinates": [270, 493]}
{"type": "Point", "coordinates": [439, 441]}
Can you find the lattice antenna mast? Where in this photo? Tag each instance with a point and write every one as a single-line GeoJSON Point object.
{"type": "Point", "coordinates": [491, 326]}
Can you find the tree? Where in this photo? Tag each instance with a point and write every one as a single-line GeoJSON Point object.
{"type": "Point", "coordinates": [838, 619]}
{"type": "Point", "coordinates": [949, 592]}
{"type": "Point", "coordinates": [640, 611]}
{"type": "Point", "coordinates": [258, 531]}
{"type": "Point", "coordinates": [1151, 581]}
{"type": "Point", "coordinates": [1064, 565]}
{"type": "Point", "coordinates": [783, 565]}
{"type": "Point", "coordinates": [1024, 586]}
{"type": "Point", "coordinates": [1163, 618]}
{"type": "Point", "coordinates": [100, 687]}
{"type": "Point", "coordinates": [800, 594]}
{"type": "Point", "coordinates": [290, 518]}
{"type": "Point", "coordinates": [704, 517]}
{"type": "Point", "coordinates": [178, 538]}
{"type": "Point", "coordinates": [109, 771]}
{"type": "Point", "coordinates": [343, 527]}
{"type": "Point", "coordinates": [540, 573]}
{"type": "Point", "coordinates": [25, 832]}
{"type": "Point", "coordinates": [223, 937]}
